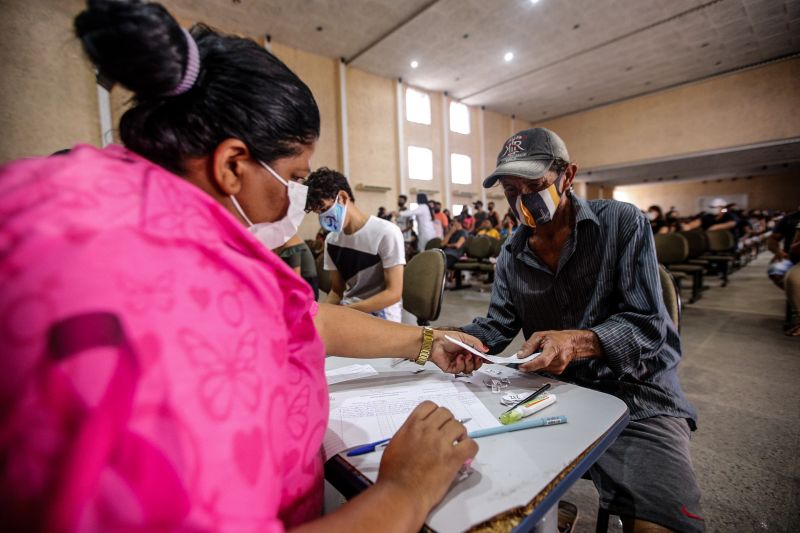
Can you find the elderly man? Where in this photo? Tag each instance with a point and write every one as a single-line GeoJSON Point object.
{"type": "Point", "coordinates": [581, 280]}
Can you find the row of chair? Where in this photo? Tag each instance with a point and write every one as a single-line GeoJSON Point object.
{"type": "Point", "coordinates": [694, 254]}
{"type": "Point", "coordinates": [479, 254]}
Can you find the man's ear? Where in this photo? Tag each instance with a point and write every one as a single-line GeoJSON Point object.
{"type": "Point", "coordinates": [569, 175]}
{"type": "Point", "coordinates": [343, 198]}
{"type": "Point", "coordinates": [229, 164]}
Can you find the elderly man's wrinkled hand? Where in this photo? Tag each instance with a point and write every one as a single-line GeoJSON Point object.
{"type": "Point", "coordinates": [558, 349]}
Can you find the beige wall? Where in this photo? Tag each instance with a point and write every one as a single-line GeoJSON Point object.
{"type": "Point", "coordinates": [737, 109]}
{"type": "Point", "coordinates": [372, 139]}
{"type": "Point", "coordinates": [321, 76]}
{"type": "Point", "coordinates": [496, 130]}
{"type": "Point", "coordinates": [49, 102]}
{"type": "Point", "coordinates": [763, 192]}
{"type": "Point", "coordinates": [48, 99]}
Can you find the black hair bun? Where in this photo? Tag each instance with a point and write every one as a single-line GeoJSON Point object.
{"type": "Point", "coordinates": [139, 45]}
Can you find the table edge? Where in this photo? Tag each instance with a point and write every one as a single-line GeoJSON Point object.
{"type": "Point", "coordinates": [349, 481]}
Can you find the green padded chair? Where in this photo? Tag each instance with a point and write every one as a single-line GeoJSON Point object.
{"type": "Point", "coordinates": [722, 242]}
{"type": "Point", "coordinates": [423, 285]}
{"type": "Point", "coordinates": [701, 254]}
{"type": "Point", "coordinates": [672, 295]}
{"type": "Point", "coordinates": [479, 250]}
{"type": "Point", "coordinates": [497, 246]}
{"type": "Point", "coordinates": [672, 250]}
{"type": "Point", "coordinates": [436, 242]}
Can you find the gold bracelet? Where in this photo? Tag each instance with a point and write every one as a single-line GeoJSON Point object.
{"type": "Point", "coordinates": [427, 344]}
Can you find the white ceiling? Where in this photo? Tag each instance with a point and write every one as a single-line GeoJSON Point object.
{"type": "Point", "coordinates": [570, 55]}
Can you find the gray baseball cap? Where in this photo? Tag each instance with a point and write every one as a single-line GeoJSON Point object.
{"type": "Point", "coordinates": [528, 154]}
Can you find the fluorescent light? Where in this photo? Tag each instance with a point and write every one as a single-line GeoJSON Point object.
{"type": "Point", "coordinates": [414, 64]}
{"type": "Point", "coordinates": [534, 1]}
{"type": "Point", "coordinates": [509, 56]}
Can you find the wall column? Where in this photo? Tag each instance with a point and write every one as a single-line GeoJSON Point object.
{"type": "Point", "coordinates": [446, 151]}
{"type": "Point", "coordinates": [401, 143]}
{"type": "Point", "coordinates": [344, 152]}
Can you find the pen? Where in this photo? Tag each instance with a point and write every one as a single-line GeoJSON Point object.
{"type": "Point", "coordinates": [529, 398]}
{"type": "Point", "coordinates": [369, 448]}
{"type": "Point", "coordinates": [366, 448]}
{"type": "Point", "coordinates": [535, 423]}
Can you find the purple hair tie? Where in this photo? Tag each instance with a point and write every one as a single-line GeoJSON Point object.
{"type": "Point", "coordinates": [192, 67]}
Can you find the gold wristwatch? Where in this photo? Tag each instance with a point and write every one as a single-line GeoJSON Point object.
{"type": "Point", "coordinates": [427, 344]}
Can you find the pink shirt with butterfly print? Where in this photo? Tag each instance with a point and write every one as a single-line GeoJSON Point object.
{"type": "Point", "coordinates": [230, 407]}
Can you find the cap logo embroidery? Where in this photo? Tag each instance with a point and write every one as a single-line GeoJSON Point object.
{"type": "Point", "coordinates": [512, 147]}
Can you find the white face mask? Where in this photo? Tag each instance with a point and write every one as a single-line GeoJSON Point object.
{"type": "Point", "coordinates": [275, 234]}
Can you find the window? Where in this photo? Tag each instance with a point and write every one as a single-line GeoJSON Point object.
{"type": "Point", "coordinates": [459, 118]}
{"type": "Point", "coordinates": [418, 107]}
{"type": "Point", "coordinates": [420, 163]}
{"type": "Point", "coordinates": [457, 208]}
{"type": "Point", "coordinates": [621, 195]}
{"type": "Point", "coordinates": [461, 169]}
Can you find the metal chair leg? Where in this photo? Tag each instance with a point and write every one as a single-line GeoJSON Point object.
{"type": "Point", "coordinates": [602, 521]}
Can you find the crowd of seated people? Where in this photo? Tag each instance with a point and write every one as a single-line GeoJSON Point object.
{"type": "Point", "coordinates": [479, 222]}
{"type": "Point", "coordinates": [752, 230]}
{"type": "Point", "coordinates": [749, 227]}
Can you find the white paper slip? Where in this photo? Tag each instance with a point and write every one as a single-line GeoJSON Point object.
{"type": "Point", "coordinates": [347, 373]}
{"type": "Point", "coordinates": [497, 359]}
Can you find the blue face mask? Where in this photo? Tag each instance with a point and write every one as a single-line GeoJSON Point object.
{"type": "Point", "coordinates": [333, 219]}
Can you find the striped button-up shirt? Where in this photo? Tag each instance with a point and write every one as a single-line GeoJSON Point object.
{"type": "Point", "coordinates": [606, 281]}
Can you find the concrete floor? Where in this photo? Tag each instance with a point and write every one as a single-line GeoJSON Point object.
{"type": "Point", "coordinates": [741, 373]}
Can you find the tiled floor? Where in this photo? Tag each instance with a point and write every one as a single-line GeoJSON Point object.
{"type": "Point", "coordinates": [742, 375]}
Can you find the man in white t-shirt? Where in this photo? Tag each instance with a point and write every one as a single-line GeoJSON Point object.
{"type": "Point", "coordinates": [365, 254]}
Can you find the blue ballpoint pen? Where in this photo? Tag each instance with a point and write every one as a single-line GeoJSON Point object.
{"type": "Point", "coordinates": [366, 448]}
{"type": "Point", "coordinates": [369, 448]}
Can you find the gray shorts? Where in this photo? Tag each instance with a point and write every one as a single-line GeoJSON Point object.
{"type": "Point", "coordinates": [647, 474]}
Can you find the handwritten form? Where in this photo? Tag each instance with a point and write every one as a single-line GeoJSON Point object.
{"type": "Point", "coordinates": [366, 415]}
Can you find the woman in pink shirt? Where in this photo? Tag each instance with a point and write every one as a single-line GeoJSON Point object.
{"type": "Point", "coordinates": [162, 369]}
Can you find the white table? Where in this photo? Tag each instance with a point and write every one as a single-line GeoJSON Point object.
{"type": "Point", "coordinates": [518, 477]}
